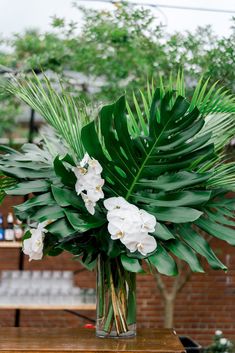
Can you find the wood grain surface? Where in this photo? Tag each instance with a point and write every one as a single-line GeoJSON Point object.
{"type": "Point", "coordinates": [10, 244]}
{"type": "Point", "coordinates": [32, 306]}
{"type": "Point", "coordinates": [47, 340]}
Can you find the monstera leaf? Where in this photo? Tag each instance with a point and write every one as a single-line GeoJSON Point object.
{"type": "Point", "coordinates": [160, 171]}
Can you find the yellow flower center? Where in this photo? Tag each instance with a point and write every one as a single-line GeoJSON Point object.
{"type": "Point", "coordinates": [140, 246]}
{"type": "Point", "coordinates": [120, 234]}
{"type": "Point", "coordinates": [83, 171]}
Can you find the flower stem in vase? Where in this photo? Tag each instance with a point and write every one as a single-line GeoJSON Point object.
{"type": "Point", "coordinates": [116, 301]}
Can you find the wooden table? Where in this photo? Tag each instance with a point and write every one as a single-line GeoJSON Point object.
{"type": "Point", "coordinates": [47, 340]}
{"type": "Point", "coordinates": [10, 244]}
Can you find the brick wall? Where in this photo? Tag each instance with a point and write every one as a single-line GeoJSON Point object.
{"type": "Point", "coordinates": [206, 303]}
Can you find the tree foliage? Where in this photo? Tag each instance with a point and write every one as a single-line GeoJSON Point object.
{"type": "Point", "coordinates": [117, 51]}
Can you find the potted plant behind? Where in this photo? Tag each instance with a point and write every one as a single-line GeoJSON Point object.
{"type": "Point", "coordinates": [128, 188]}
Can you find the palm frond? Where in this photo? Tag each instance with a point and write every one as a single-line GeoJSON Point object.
{"type": "Point", "coordinates": [215, 104]}
{"type": "Point", "coordinates": [59, 109]}
{"type": "Point", "coordinates": [223, 177]}
{"type": "Point", "coordinates": [5, 183]}
{"type": "Point", "coordinates": [222, 129]}
{"type": "Point", "coordinates": [52, 142]}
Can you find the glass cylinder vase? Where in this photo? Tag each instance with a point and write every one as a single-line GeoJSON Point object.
{"type": "Point", "coordinates": [116, 300]}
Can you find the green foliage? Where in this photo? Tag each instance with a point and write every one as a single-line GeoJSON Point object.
{"type": "Point", "coordinates": [59, 110]}
{"type": "Point", "coordinates": [220, 344]}
{"type": "Point", "coordinates": [5, 182]}
{"type": "Point", "coordinates": [160, 156]}
{"type": "Point", "coordinates": [119, 49]}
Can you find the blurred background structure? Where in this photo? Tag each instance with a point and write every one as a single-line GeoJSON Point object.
{"type": "Point", "coordinates": [99, 50]}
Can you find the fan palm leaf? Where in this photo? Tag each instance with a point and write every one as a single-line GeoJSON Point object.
{"type": "Point", "coordinates": [60, 110]}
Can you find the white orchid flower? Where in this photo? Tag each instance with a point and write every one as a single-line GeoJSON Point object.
{"type": "Point", "coordinates": [130, 225]}
{"type": "Point", "coordinates": [89, 182]}
{"type": "Point", "coordinates": [127, 221]}
{"type": "Point", "coordinates": [148, 221]}
{"type": "Point", "coordinates": [223, 341]}
{"type": "Point", "coordinates": [89, 204]}
{"type": "Point", "coordinates": [144, 243]}
{"type": "Point", "coordinates": [218, 333]}
{"type": "Point", "coordinates": [97, 193]}
{"type": "Point", "coordinates": [95, 166]}
{"type": "Point", "coordinates": [116, 203]}
{"type": "Point", "coordinates": [79, 171]}
{"type": "Point", "coordinates": [33, 247]}
{"type": "Point", "coordinates": [85, 160]}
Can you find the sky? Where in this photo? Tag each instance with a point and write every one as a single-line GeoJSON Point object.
{"type": "Point", "coordinates": [17, 15]}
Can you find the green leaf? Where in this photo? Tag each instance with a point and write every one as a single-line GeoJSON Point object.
{"type": "Point", "coordinates": [124, 174]}
{"type": "Point", "coordinates": [21, 172]}
{"type": "Point", "coordinates": [163, 262]}
{"type": "Point", "coordinates": [130, 264]}
{"type": "Point", "coordinates": [67, 177]}
{"type": "Point", "coordinates": [61, 228]}
{"type": "Point", "coordinates": [162, 232]}
{"type": "Point", "coordinates": [173, 181]}
{"type": "Point", "coordinates": [48, 213]}
{"type": "Point", "coordinates": [88, 264]}
{"type": "Point", "coordinates": [41, 200]}
{"type": "Point", "coordinates": [60, 110]}
{"type": "Point", "coordinates": [65, 197]}
{"type": "Point", "coordinates": [201, 246]}
{"type": "Point", "coordinates": [185, 253]}
{"type": "Point", "coordinates": [217, 230]}
{"type": "Point", "coordinates": [29, 187]}
{"type": "Point", "coordinates": [83, 223]}
{"type": "Point", "coordinates": [8, 149]}
{"type": "Point", "coordinates": [5, 183]}
{"type": "Point", "coordinates": [54, 252]}
{"type": "Point", "coordinates": [26, 235]}
{"type": "Point", "coordinates": [182, 198]}
{"type": "Point", "coordinates": [174, 214]}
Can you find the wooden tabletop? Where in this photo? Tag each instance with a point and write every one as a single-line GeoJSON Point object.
{"type": "Point", "coordinates": [10, 244]}
{"type": "Point", "coordinates": [47, 340]}
{"type": "Point", "coordinates": [44, 306]}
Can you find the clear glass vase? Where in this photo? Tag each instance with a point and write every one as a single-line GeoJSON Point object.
{"type": "Point", "coordinates": [116, 300]}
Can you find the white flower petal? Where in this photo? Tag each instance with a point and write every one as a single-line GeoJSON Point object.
{"type": "Point", "coordinates": [33, 247]}
{"type": "Point", "coordinates": [113, 229]}
{"type": "Point", "coordinates": [116, 203]}
{"type": "Point", "coordinates": [79, 187]}
{"type": "Point", "coordinates": [218, 332]}
{"type": "Point", "coordinates": [95, 166]}
{"type": "Point", "coordinates": [149, 221]}
{"type": "Point", "coordinates": [41, 226]}
{"type": "Point", "coordinates": [130, 244]}
{"type": "Point", "coordinates": [85, 160]}
{"type": "Point", "coordinates": [36, 256]}
{"type": "Point", "coordinates": [89, 204]}
{"type": "Point", "coordinates": [27, 246]}
{"type": "Point", "coordinates": [147, 245]}
{"type": "Point", "coordinates": [223, 341]}
{"type": "Point", "coordinates": [79, 171]}
{"type": "Point", "coordinates": [37, 240]}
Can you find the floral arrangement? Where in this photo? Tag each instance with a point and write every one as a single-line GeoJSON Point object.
{"type": "Point", "coordinates": [132, 188]}
{"type": "Point", "coordinates": [220, 344]}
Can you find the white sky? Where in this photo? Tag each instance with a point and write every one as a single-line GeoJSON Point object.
{"type": "Point", "coordinates": [16, 15]}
